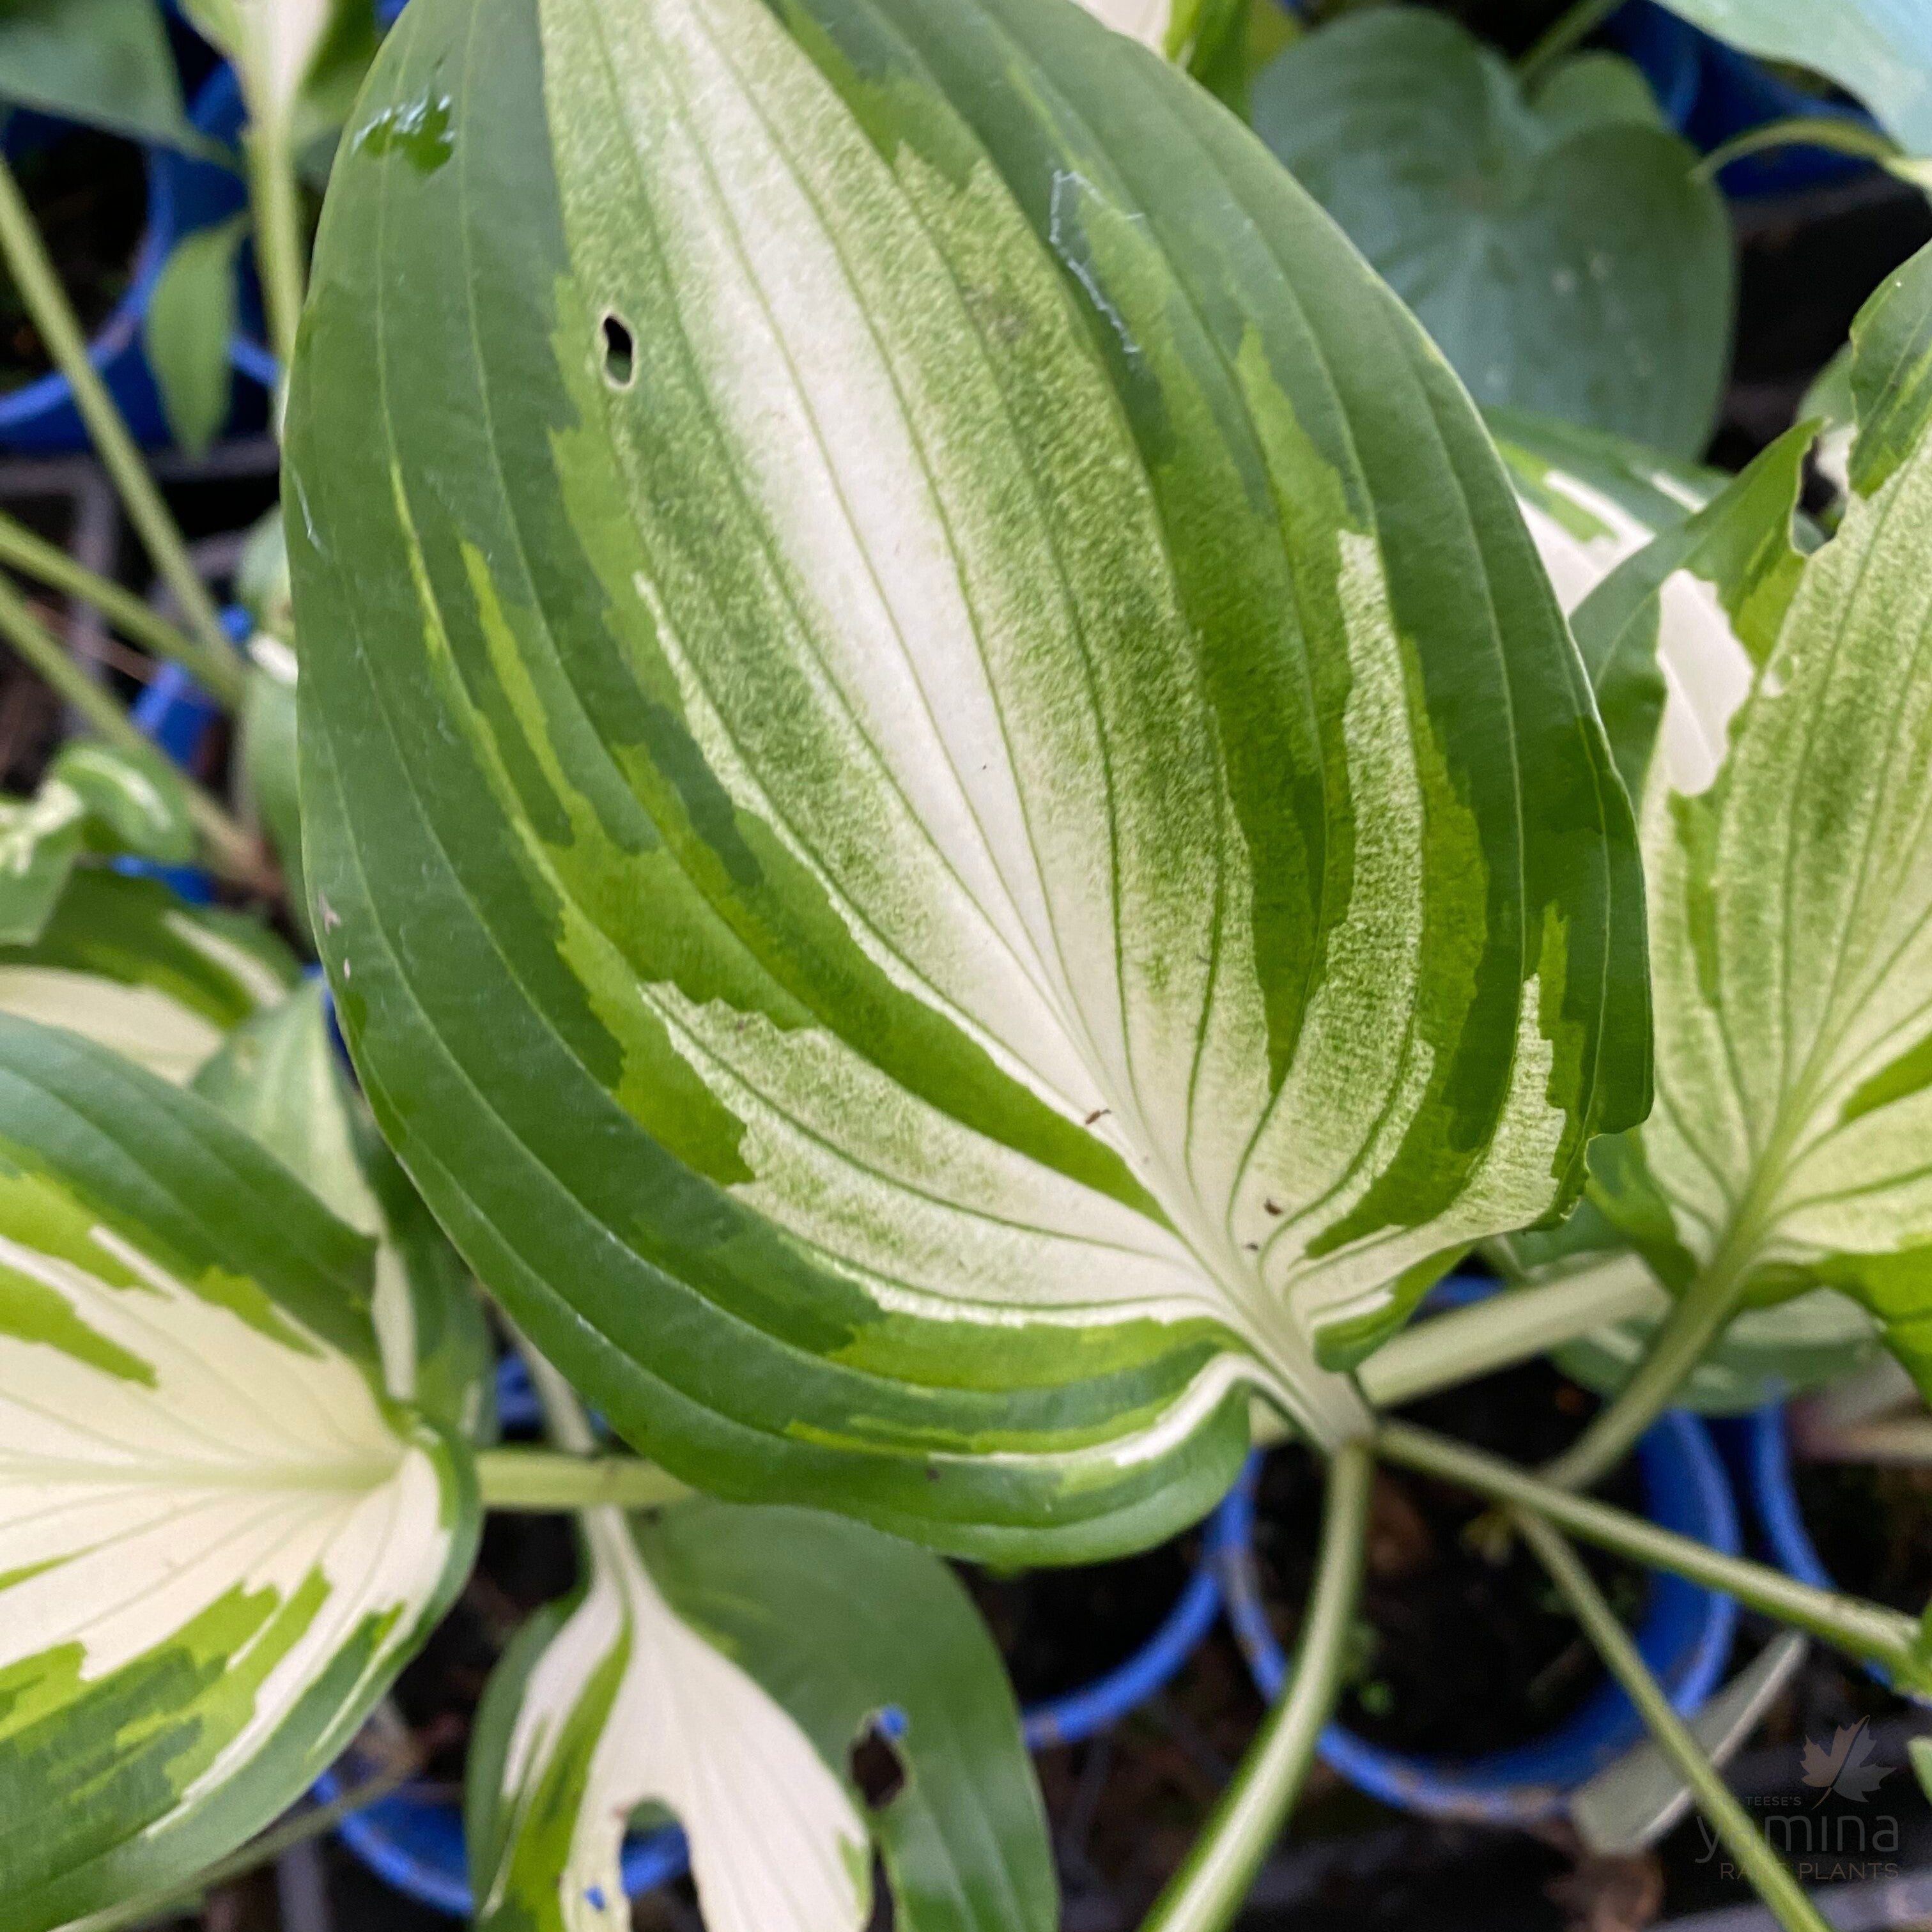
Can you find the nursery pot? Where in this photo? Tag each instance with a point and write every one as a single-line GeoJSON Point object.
{"type": "Point", "coordinates": [185, 196]}
{"type": "Point", "coordinates": [1711, 94]}
{"type": "Point", "coordinates": [414, 1841]}
{"type": "Point", "coordinates": [1762, 1443]}
{"type": "Point", "coordinates": [1684, 1636]}
{"type": "Point", "coordinates": [39, 417]}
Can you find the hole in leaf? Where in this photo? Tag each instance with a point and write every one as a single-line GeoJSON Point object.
{"type": "Point", "coordinates": [878, 1769]}
{"type": "Point", "coordinates": [620, 353]}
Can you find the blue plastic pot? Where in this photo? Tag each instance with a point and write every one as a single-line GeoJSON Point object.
{"type": "Point", "coordinates": [1684, 1636]}
{"type": "Point", "coordinates": [1712, 93]}
{"type": "Point", "coordinates": [39, 417]}
{"type": "Point", "coordinates": [185, 196]}
{"type": "Point", "coordinates": [414, 1841]}
{"type": "Point", "coordinates": [1763, 1443]}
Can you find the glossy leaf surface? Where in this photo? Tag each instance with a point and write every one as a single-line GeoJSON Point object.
{"type": "Point", "coordinates": [920, 700]}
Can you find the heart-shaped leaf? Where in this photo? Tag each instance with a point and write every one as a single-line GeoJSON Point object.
{"type": "Point", "coordinates": [1783, 816]}
{"type": "Point", "coordinates": [1560, 249]}
{"type": "Point", "coordinates": [1880, 50]}
{"type": "Point", "coordinates": [125, 962]}
{"type": "Point", "coordinates": [951, 816]}
{"type": "Point", "coordinates": [219, 1539]}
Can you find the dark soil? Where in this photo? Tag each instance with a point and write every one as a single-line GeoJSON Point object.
{"type": "Point", "coordinates": [1061, 1629]}
{"type": "Point", "coordinates": [1465, 1650]}
{"type": "Point", "coordinates": [525, 1562]}
{"type": "Point", "coordinates": [1872, 1528]}
{"type": "Point", "coordinates": [89, 194]}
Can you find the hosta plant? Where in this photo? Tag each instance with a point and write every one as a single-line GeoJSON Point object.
{"type": "Point", "coordinates": [965, 823]}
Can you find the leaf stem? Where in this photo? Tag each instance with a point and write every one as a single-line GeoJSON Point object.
{"type": "Point", "coordinates": [1207, 1892]}
{"type": "Point", "coordinates": [276, 196]}
{"type": "Point", "coordinates": [219, 673]}
{"type": "Point", "coordinates": [1863, 1629]}
{"type": "Point", "coordinates": [1768, 1872]}
{"type": "Point", "coordinates": [1696, 1318]}
{"type": "Point", "coordinates": [232, 850]}
{"type": "Point", "coordinates": [1510, 1327]}
{"type": "Point", "coordinates": [1567, 30]}
{"type": "Point", "coordinates": [1901, 1441]}
{"type": "Point", "coordinates": [1839, 134]}
{"type": "Point", "coordinates": [544, 1480]}
{"type": "Point", "coordinates": [53, 316]}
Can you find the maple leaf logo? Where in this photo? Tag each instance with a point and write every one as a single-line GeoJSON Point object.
{"type": "Point", "coordinates": [1843, 1768]}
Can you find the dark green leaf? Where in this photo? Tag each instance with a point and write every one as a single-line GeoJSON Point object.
{"type": "Point", "coordinates": [104, 62]}
{"type": "Point", "coordinates": [1559, 249]}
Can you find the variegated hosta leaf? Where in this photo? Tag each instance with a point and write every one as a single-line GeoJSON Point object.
{"type": "Point", "coordinates": [96, 799]}
{"type": "Point", "coordinates": [723, 1664]}
{"type": "Point", "coordinates": [1765, 1355]}
{"type": "Point", "coordinates": [219, 1540]}
{"type": "Point", "coordinates": [1592, 500]}
{"type": "Point", "coordinates": [950, 813]}
{"type": "Point", "coordinates": [124, 961]}
{"type": "Point", "coordinates": [281, 1079]}
{"type": "Point", "coordinates": [1784, 822]}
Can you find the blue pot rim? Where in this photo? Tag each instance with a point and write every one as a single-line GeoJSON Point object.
{"type": "Point", "coordinates": [1069, 1719]}
{"type": "Point", "coordinates": [1774, 1497]}
{"type": "Point", "coordinates": [1685, 1637]}
{"type": "Point", "coordinates": [416, 1842]}
{"type": "Point", "coordinates": [122, 331]}
{"type": "Point", "coordinates": [120, 336]}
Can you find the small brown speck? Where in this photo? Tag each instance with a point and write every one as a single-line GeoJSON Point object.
{"type": "Point", "coordinates": [1271, 1208]}
{"type": "Point", "coordinates": [1098, 1113]}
